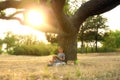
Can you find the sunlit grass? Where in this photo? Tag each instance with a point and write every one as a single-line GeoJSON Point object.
{"type": "Point", "coordinates": [89, 67]}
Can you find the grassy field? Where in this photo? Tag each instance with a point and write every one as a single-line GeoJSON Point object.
{"type": "Point", "coordinates": [89, 67]}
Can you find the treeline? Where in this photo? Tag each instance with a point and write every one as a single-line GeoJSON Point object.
{"type": "Point", "coordinates": [25, 45]}
{"type": "Point", "coordinates": [110, 43]}
{"type": "Point", "coordinates": [28, 45]}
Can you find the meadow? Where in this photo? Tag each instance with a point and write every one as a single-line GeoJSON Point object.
{"type": "Point", "coordinates": [90, 67]}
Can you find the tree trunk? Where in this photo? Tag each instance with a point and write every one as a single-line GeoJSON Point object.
{"type": "Point", "coordinates": [96, 48]}
{"type": "Point", "coordinates": [69, 44]}
{"type": "Point", "coordinates": [96, 40]}
{"type": "Point", "coordinates": [82, 41]}
{"type": "Point", "coordinates": [82, 46]}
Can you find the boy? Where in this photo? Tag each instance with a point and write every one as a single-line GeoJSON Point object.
{"type": "Point", "coordinates": [58, 59]}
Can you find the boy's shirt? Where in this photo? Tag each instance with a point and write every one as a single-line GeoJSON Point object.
{"type": "Point", "coordinates": [60, 55]}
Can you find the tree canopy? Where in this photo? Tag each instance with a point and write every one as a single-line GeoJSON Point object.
{"type": "Point", "coordinates": [89, 8]}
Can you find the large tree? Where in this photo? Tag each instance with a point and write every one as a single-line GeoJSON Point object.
{"type": "Point", "coordinates": [68, 26]}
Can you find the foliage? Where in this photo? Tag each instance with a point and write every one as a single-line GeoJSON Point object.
{"type": "Point", "coordinates": [53, 48]}
{"type": "Point", "coordinates": [100, 50]}
{"type": "Point", "coordinates": [72, 6]}
{"type": "Point", "coordinates": [91, 27]}
{"type": "Point", "coordinates": [1, 41]}
{"type": "Point", "coordinates": [1, 50]}
{"type": "Point", "coordinates": [110, 43]}
{"type": "Point", "coordinates": [26, 45]}
{"type": "Point", "coordinates": [52, 38]}
{"type": "Point", "coordinates": [10, 39]}
{"type": "Point", "coordinates": [112, 40]}
{"type": "Point", "coordinates": [31, 50]}
{"type": "Point", "coordinates": [93, 30]}
{"type": "Point", "coordinates": [37, 50]}
{"type": "Point", "coordinates": [27, 39]}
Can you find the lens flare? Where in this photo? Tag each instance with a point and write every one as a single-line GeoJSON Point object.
{"type": "Point", "coordinates": [35, 18]}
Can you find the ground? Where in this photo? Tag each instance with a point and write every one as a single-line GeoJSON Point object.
{"type": "Point", "coordinates": [89, 67]}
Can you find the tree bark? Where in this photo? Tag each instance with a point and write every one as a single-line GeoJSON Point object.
{"type": "Point", "coordinates": [69, 44]}
{"type": "Point", "coordinates": [96, 40]}
{"type": "Point", "coordinates": [82, 41]}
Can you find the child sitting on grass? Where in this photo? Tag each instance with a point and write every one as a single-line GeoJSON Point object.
{"type": "Point", "coordinates": [58, 59]}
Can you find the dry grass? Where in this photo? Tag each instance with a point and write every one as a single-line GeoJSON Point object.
{"type": "Point", "coordinates": [90, 67]}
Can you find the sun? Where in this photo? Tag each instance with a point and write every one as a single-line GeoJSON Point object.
{"type": "Point", "coordinates": [35, 18]}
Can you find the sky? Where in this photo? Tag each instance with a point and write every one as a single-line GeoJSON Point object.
{"type": "Point", "coordinates": [16, 28]}
{"type": "Point", "coordinates": [113, 17]}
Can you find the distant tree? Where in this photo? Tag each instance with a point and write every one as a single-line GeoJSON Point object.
{"type": "Point", "coordinates": [52, 38]}
{"type": "Point", "coordinates": [116, 34]}
{"type": "Point", "coordinates": [92, 30]}
{"type": "Point", "coordinates": [112, 40]}
{"type": "Point", "coordinates": [27, 39]}
{"type": "Point", "coordinates": [10, 39]}
{"type": "Point", "coordinates": [1, 42]}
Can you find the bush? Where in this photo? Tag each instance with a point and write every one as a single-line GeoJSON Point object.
{"type": "Point", "coordinates": [86, 50]}
{"type": "Point", "coordinates": [37, 50]}
{"type": "Point", "coordinates": [1, 51]}
{"type": "Point", "coordinates": [53, 48]}
{"type": "Point", "coordinates": [100, 49]}
{"type": "Point", "coordinates": [31, 50]}
{"type": "Point", "coordinates": [106, 49]}
{"type": "Point", "coordinates": [10, 52]}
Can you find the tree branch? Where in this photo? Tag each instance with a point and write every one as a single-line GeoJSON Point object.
{"type": "Point", "coordinates": [48, 28]}
{"type": "Point", "coordinates": [43, 28]}
{"type": "Point", "coordinates": [10, 4]}
{"type": "Point", "coordinates": [59, 17]}
{"type": "Point", "coordinates": [110, 6]}
{"type": "Point", "coordinates": [12, 16]}
{"type": "Point", "coordinates": [93, 7]}
{"type": "Point", "coordinates": [22, 5]}
{"type": "Point", "coordinates": [17, 12]}
{"type": "Point", "coordinates": [18, 4]}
